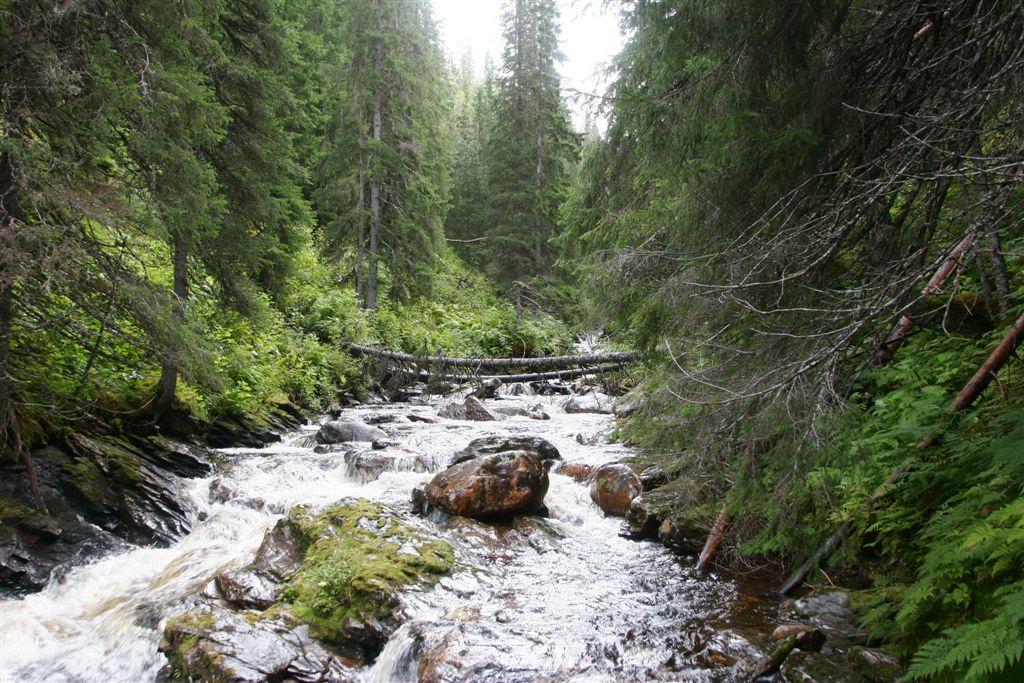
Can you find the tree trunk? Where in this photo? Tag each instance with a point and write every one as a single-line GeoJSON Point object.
{"type": "Point", "coordinates": [983, 377]}
{"type": "Point", "coordinates": [714, 539]}
{"type": "Point", "coordinates": [378, 104]}
{"type": "Point", "coordinates": [573, 373]}
{"type": "Point", "coordinates": [361, 233]}
{"type": "Point", "coordinates": [169, 373]}
{"type": "Point", "coordinates": [550, 362]}
{"type": "Point", "coordinates": [905, 326]}
{"type": "Point", "coordinates": [998, 263]}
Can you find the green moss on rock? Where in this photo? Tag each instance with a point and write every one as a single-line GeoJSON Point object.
{"type": "Point", "coordinates": [358, 555]}
{"type": "Point", "coordinates": [182, 646]}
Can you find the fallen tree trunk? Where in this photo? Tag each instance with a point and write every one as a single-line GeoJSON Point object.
{"type": "Point", "coordinates": [551, 362]}
{"type": "Point", "coordinates": [905, 326]}
{"type": "Point", "coordinates": [970, 392]}
{"type": "Point", "coordinates": [573, 373]}
{"type": "Point", "coordinates": [714, 538]}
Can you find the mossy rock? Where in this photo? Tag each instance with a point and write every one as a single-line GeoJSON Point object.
{"type": "Point", "coordinates": [186, 657]}
{"type": "Point", "coordinates": [359, 555]}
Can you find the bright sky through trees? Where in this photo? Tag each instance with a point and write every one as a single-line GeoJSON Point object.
{"type": "Point", "coordinates": [590, 38]}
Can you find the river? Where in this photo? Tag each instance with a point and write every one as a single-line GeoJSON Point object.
{"type": "Point", "coordinates": [564, 598]}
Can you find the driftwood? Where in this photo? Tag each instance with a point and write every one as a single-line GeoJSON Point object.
{"type": "Point", "coordinates": [551, 362]}
{"type": "Point", "coordinates": [970, 392]}
{"type": "Point", "coordinates": [714, 538]}
{"type": "Point", "coordinates": [572, 373]}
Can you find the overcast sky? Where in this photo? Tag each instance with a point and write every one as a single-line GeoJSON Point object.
{"type": "Point", "coordinates": [590, 38]}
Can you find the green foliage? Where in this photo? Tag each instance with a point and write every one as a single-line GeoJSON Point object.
{"type": "Point", "coordinates": [465, 316]}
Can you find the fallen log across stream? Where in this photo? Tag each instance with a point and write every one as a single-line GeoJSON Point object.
{"type": "Point", "coordinates": [550, 362]}
{"type": "Point", "coordinates": [571, 373]}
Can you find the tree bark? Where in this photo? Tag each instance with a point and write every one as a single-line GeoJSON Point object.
{"type": "Point", "coordinates": [983, 377]}
{"type": "Point", "coordinates": [378, 105]}
{"type": "Point", "coordinates": [500, 363]}
{"type": "Point", "coordinates": [714, 539]}
{"type": "Point", "coordinates": [905, 326]}
{"type": "Point", "coordinates": [168, 387]}
{"type": "Point", "coordinates": [572, 373]}
{"type": "Point", "coordinates": [998, 263]}
{"type": "Point", "coordinates": [361, 233]}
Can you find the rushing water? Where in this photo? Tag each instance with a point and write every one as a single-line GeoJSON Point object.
{"type": "Point", "coordinates": [559, 599]}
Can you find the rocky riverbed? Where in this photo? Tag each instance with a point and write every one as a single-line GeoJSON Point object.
{"type": "Point", "coordinates": [458, 539]}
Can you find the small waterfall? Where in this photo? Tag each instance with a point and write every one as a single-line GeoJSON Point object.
{"type": "Point", "coordinates": [397, 661]}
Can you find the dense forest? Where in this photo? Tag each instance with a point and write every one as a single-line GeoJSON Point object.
{"type": "Point", "coordinates": [808, 215]}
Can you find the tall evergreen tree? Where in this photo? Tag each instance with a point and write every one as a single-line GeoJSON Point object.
{"type": "Point", "coordinates": [387, 139]}
{"type": "Point", "coordinates": [530, 144]}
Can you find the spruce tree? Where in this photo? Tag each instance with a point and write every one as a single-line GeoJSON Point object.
{"type": "Point", "coordinates": [530, 145]}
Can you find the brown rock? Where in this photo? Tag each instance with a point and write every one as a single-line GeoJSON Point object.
{"type": "Point", "coordinates": [491, 487]}
{"type": "Point", "coordinates": [470, 409]}
{"type": "Point", "coordinates": [614, 487]}
{"type": "Point", "coordinates": [579, 471]}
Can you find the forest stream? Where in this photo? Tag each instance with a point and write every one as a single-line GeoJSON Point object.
{"type": "Point", "coordinates": [563, 597]}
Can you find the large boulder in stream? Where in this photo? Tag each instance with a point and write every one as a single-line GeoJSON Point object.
{"type": "Point", "coordinates": [613, 488]}
{"type": "Point", "coordinates": [494, 486]}
{"type": "Point", "coordinates": [340, 431]}
{"type": "Point", "coordinates": [329, 588]}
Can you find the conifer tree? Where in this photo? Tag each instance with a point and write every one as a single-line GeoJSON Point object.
{"type": "Point", "coordinates": [529, 146]}
{"type": "Point", "coordinates": [387, 138]}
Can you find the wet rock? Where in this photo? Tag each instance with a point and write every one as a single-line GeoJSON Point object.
{"type": "Point", "coordinates": [785, 630]}
{"type": "Point", "coordinates": [278, 557]}
{"type": "Point", "coordinates": [369, 465]}
{"type": "Point", "coordinates": [379, 419]}
{"type": "Point", "coordinates": [245, 589]}
{"type": "Point", "coordinates": [576, 470]}
{"type": "Point", "coordinates": [490, 445]}
{"type": "Point", "coordinates": [359, 557]}
{"type": "Point", "coordinates": [100, 491]}
{"type": "Point", "coordinates": [470, 409]}
{"type": "Point", "coordinates": [648, 510]}
{"type": "Point", "coordinates": [813, 667]}
{"type": "Point", "coordinates": [518, 389]}
{"type": "Point", "coordinates": [428, 419]}
{"type": "Point", "coordinates": [339, 431]}
{"type": "Point", "coordinates": [420, 504]}
{"type": "Point", "coordinates": [874, 665]}
{"type": "Point", "coordinates": [221, 491]}
{"type": "Point", "coordinates": [216, 644]}
{"type": "Point", "coordinates": [652, 477]}
{"type": "Point", "coordinates": [550, 388]}
{"type": "Point", "coordinates": [492, 486]}
{"type": "Point", "coordinates": [626, 405]}
{"type": "Point", "coordinates": [487, 388]}
{"type": "Point", "coordinates": [685, 530]}
{"type": "Point", "coordinates": [380, 444]}
{"type": "Point", "coordinates": [437, 387]}
{"type": "Point", "coordinates": [832, 614]}
{"type": "Point", "coordinates": [324, 448]}
{"type": "Point", "coordinates": [614, 487]}
{"type": "Point", "coordinates": [588, 403]}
